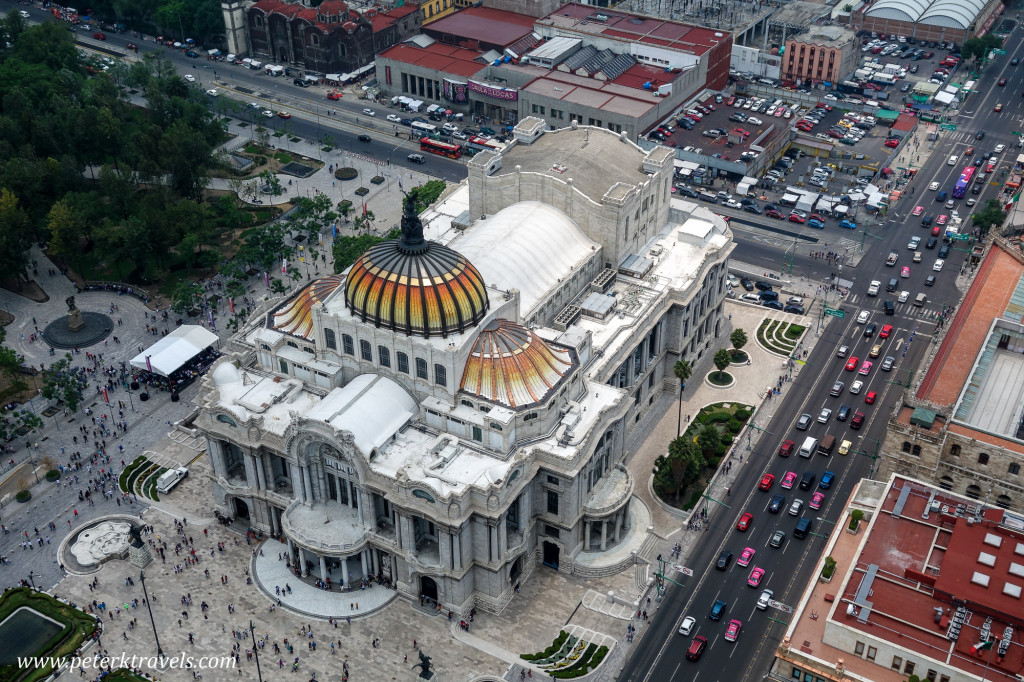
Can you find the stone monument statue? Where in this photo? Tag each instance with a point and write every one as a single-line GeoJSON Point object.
{"type": "Point", "coordinates": [424, 664]}
{"type": "Point", "coordinates": [75, 321]}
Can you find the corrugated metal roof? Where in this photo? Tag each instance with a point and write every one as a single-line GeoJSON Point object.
{"type": "Point", "coordinates": [578, 59]}
{"type": "Point", "coordinates": [1015, 308]}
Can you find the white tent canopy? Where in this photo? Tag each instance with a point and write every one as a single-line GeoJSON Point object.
{"type": "Point", "coordinates": [172, 352]}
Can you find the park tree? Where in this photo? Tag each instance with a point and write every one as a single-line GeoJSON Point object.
{"type": "Point", "coordinates": [277, 286]}
{"type": "Point", "coordinates": [14, 423]}
{"type": "Point", "coordinates": [347, 250]}
{"type": "Point", "coordinates": [312, 215]}
{"type": "Point", "coordinates": [188, 296]}
{"type": "Point", "coordinates": [991, 216]}
{"type": "Point", "coordinates": [345, 209]}
{"type": "Point", "coordinates": [10, 366]}
{"type": "Point", "coordinates": [63, 383]}
{"type": "Point", "coordinates": [738, 338]}
{"type": "Point", "coordinates": [722, 361]}
{"type": "Point", "coordinates": [425, 195]}
{"type": "Point", "coordinates": [269, 182]}
{"type": "Point", "coordinates": [67, 226]}
{"type": "Point", "coordinates": [976, 49]}
{"type": "Point", "coordinates": [708, 439]}
{"type": "Point", "coordinates": [15, 236]}
{"type": "Point", "coordinates": [682, 369]}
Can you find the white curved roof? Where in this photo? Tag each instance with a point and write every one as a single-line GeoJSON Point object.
{"type": "Point", "coordinates": [950, 13]}
{"type": "Point", "coordinates": [371, 407]}
{"type": "Point", "coordinates": [528, 246]}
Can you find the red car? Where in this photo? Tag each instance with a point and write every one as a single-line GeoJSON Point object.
{"type": "Point", "coordinates": [870, 397]}
{"type": "Point", "coordinates": [745, 522]}
{"type": "Point", "coordinates": [816, 216]}
{"type": "Point", "coordinates": [857, 421]}
{"type": "Point", "coordinates": [766, 482]}
{"type": "Point", "coordinates": [851, 364]}
{"type": "Point", "coordinates": [99, 36]}
{"type": "Point", "coordinates": [1002, 82]}
{"type": "Point", "coordinates": [892, 144]}
{"type": "Point", "coordinates": [772, 213]}
{"type": "Point", "coordinates": [886, 330]}
{"type": "Point", "coordinates": [990, 167]}
{"type": "Point", "coordinates": [729, 102]}
{"type": "Point", "coordinates": [741, 131]}
{"type": "Point", "coordinates": [794, 218]}
{"type": "Point", "coordinates": [333, 95]}
{"type": "Point", "coordinates": [786, 449]}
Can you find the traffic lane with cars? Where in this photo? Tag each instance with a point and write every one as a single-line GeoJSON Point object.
{"type": "Point", "coordinates": [786, 569]}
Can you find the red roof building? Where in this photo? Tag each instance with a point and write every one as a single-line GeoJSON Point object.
{"type": "Point", "coordinates": [928, 581]}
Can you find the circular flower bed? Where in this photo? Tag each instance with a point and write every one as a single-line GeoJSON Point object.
{"type": "Point", "coordinates": [738, 357]}
{"type": "Point", "coordinates": [23, 496]}
{"type": "Point", "coordinates": [346, 173]}
{"type": "Point", "coordinates": [720, 379]}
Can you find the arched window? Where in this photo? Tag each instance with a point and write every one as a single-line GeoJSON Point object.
{"type": "Point", "coordinates": [1004, 501]}
{"type": "Point", "coordinates": [916, 451]}
{"type": "Point", "coordinates": [440, 375]}
{"type": "Point", "coordinates": [346, 341]}
{"type": "Point", "coordinates": [973, 492]}
{"type": "Point", "coordinates": [421, 369]}
{"type": "Point", "coordinates": [403, 362]}
{"type": "Point", "coordinates": [906, 446]}
{"type": "Point", "coordinates": [946, 483]}
{"type": "Point", "coordinates": [330, 339]}
{"type": "Point", "coordinates": [365, 351]}
{"type": "Point", "coordinates": [385, 356]}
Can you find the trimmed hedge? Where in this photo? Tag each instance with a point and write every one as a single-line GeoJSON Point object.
{"type": "Point", "coordinates": [346, 173]}
{"type": "Point", "coordinates": [550, 651]}
{"type": "Point", "coordinates": [590, 659]}
{"type": "Point", "coordinates": [735, 425]}
{"type": "Point", "coordinates": [742, 415]}
{"type": "Point", "coordinates": [64, 643]}
{"type": "Point", "coordinates": [719, 417]}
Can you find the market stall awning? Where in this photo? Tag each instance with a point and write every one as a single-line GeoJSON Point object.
{"type": "Point", "coordinates": [173, 352]}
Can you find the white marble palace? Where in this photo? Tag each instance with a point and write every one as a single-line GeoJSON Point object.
{"type": "Point", "coordinates": [453, 409]}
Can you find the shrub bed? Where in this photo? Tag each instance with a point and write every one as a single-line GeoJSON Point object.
{"type": "Point", "coordinates": [550, 651]}
{"type": "Point", "coordinates": [346, 173]}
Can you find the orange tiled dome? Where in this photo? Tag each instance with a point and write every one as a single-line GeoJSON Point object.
{"type": "Point", "coordinates": [296, 316]}
{"type": "Point", "coordinates": [512, 366]}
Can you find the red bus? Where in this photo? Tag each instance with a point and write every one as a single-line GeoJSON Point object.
{"type": "Point", "coordinates": [452, 151]}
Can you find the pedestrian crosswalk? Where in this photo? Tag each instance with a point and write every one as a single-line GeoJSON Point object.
{"type": "Point", "coordinates": [927, 311]}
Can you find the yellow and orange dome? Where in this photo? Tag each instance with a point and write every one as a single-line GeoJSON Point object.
{"type": "Point", "coordinates": [296, 316]}
{"type": "Point", "coordinates": [512, 366]}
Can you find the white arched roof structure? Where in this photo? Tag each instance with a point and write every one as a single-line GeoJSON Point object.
{"type": "Point", "coordinates": [371, 407]}
{"type": "Point", "coordinates": [950, 13]}
{"type": "Point", "coordinates": [527, 246]}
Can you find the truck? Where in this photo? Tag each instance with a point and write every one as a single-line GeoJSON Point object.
{"type": "Point", "coordinates": [891, 260]}
{"type": "Point", "coordinates": [874, 287]}
{"type": "Point", "coordinates": [862, 74]}
{"type": "Point", "coordinates": [884, 78]}
{"type": "Point", "coordinates": [170, 478]}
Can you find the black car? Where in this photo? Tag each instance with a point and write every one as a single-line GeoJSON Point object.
{"type": "Point", "coordinates": [192, 55]}
{"type": "Point", "coordinates": [843, 413]}
{"type": "Point", "coordinates": [406, 121]}
{"type": "Point", "coordinates": [774, 305]}
{"type": "Point", "coordinates": [944, 251]}
{"type": "Point", "coordinates": [772, 207]}
{"type": "Point", "coordinates": [686, 191]}
{"type": "Point", "coordinates": [793, 308]}
{"type": "Point", "coordinates": [926, 221]}
{"type": "Point", "coordinates": [978, 162]}
{"type": "Point", "coordinates": [746, 284]}
{"type": "Point", "coordinates": [723, 560]}
{"type": "Point", "coordinates": [929, 281]}
{"type": "Point", "coordinates": [976, 189]}
{"type": "Point", "coordinates": [930, 244]}
{"type": "Point", "coordinates": [870, 329]}
{"type": "Point", "coordinates": [762, 286]}
{"type": "Point", "coordinates": [753, 208]}
{"type": "Point", "coordinates": [365, 138]}
{"type": "Point", "coordinates": [807, 480]}
{"type": "Point", "coordinates": [776, 503]}
{"type": "Point", "coordinates": [980, 135]}
{"type": "Point", "coordinates": [301, 83]}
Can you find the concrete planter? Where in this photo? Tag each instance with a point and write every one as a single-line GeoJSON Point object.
{"type": "Point", "coordinates": [707, 380]}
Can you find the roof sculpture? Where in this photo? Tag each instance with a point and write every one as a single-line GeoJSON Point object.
{"type": "Point", "coordinates": [296, 316]}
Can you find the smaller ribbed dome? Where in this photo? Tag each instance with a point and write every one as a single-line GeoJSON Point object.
{"type": "Point", "coordinates": [512, 366]}
{"type": "Point", "coordinates": [296, 316]}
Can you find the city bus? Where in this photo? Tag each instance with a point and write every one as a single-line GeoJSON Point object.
{"type": "Point", "coordinates": [963, 183]}
{"type": "Point", "coordinates": [485, 145]}
{"type": "Point", "coordinates": [452, 151]}
{"type": "Point", "coordinates": [421, 129]}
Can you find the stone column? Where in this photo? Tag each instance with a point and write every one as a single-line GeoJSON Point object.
{"type": "Point", "coordinates": [586, 535]}
{"type": "Point", "coordinates": [321, 482]}
{"type": "Point", "coordinates": [296, 480]}
{"type": "Point", "coordinates": [444, 544]}
{"type": "Point", "coordinates": [359, 504]}
{"type": "Point", "coordinates": [291, 549]}
{"type": "Point", "coordinates": [323, 568]}
{"type": "Point", "coordinates": [366, 500]}
{"type": "Point", "coordinates": [216, 452]}
{"type": "Point", "coordinates": [502, 537]}
{"type": "Point", "coordinates": [248, 462]}
{"type": "Point", "coordinates": [492, 539]}
{"type": "Point", "coordinates": [344, 569]}
{"type": "Point", "coordinates": [302, 561]}
{"type": "Point", "coordinates": [618, 525]}
{"type": "Point", "coordinates": [307, 484]}
{"type": "Point", "coordinates": [604, 534]}
{"type": "Point", "coordinates": [398, 529]}
{"type": "Point", "coordinates": [362, 559]}
{"type": "Point", "coordinates": [258, 465]}
{"type": "Point", "coordinates": [374, 561]}
{"type": "Point", "coordinates": [457, 549]}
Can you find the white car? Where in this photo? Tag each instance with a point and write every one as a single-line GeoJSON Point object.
{"type": "Point", "coordinates": [938, 265]}
{"type": "Point", "coordinates": [856, 386]}
{"type": "Point", "coordinates": [254, 105]}
{"type": "Point", "coordinates": [23, 13]}
{"type": "Point", "coordinates": [824, 415]}
{"type": "Point", "coordinates": [190, 78]}
{"type": "Point", "coordinates": [732, 203]}
{"type": "Point", "coordinates": [212, 92]}
{"type": "Point", "coordinates": [1000, 148]}
{"type": "Point", "coordinates": [687, 626]}
{"type": "Point", "coordinates": [863, 316]}
{"type": "Point", "coordinates": [394, 119]}
{"type": "Point", "coordinates": [934, 186]}
{"type": "Point", "coordinates": [754, 121]}
{"type": "Point", "coordinates": [369, 112]}
{"type": "Point", "coordinates": [914, 243]}
{"type": "Point", "coordinates": [904, 295]}
{"type": "Point", "coordinates": [267, 113]}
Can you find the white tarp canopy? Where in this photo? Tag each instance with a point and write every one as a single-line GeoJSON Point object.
{"type": "Point", "coordinates": [172, 352]}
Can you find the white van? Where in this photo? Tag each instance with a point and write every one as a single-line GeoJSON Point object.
{"type": "Point", "coordinates": [170, 478]}
{"type": "Point", "coordinates": [809, 447]}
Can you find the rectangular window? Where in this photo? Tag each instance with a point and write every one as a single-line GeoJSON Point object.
{"type": "Point", "coordinates": [365, 351]}
{"type": "Point", "coordinates": [931, 676]}
{"type": "Point", "coordinates": [552, 502]}
{"type": "Point", "coordinates": [897, 663]}
{"type": "Point", "coordinates": [551, 531]}
{"type": "Point", "coordinates": [553, 480]}
{"type": "Point", "coordinates": [440, 375]}
{"type": "Point", "coordinates": [385, 356]}
{"type": "Point", "coordinates": [346, 341]}
{"type": "Point", "coordinates": [478, 434]}
{"type": "Point", "coordinates": [908, 667]}
{"type": "Point", "coordinates": [872, 652]}
{"type": "Point", "coordinates": [421, 369]}
{"type": "Point", "coordinates": [797, 673]}
{"type": "Point", "coordinates": [403, 362]}
{"type": "Point", "coordinates": [859, 648]}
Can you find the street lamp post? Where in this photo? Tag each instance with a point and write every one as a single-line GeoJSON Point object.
{"type": "Point", "coordinates": [255, 650]}
{"type": "Point", "coordinates": [31, 581]}
{"type": "Point", "coordinates": [145, 593]}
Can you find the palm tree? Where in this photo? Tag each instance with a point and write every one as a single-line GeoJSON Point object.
{"type": "Point", "coordinates": [682, 370]}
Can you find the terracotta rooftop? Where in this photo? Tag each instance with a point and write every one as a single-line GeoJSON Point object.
{"type": "Point", "coordinates": [383, 20]}
{"type": "Point", "coordinates": [986, 300]}
{"type": "Point", "coordinates": [913, 571]}
{"type": "Point", "coordinates": [446, 59]}
{"type": "Point", "coordinates": [640, 28]}
{"type": "Point", "coordinates": [483, 24]}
